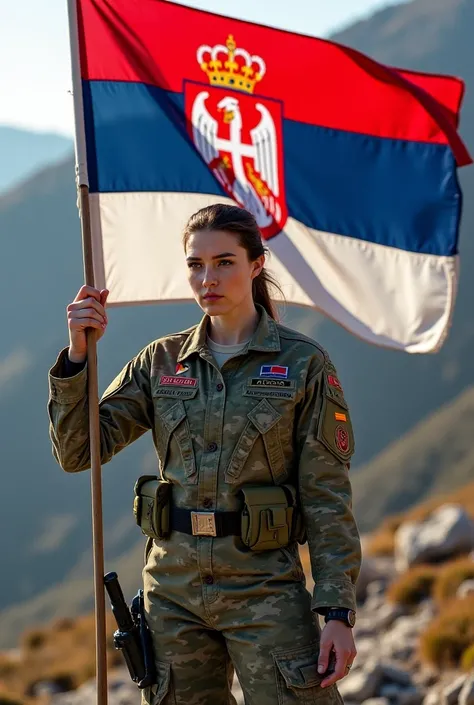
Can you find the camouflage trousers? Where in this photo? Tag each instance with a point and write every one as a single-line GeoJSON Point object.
{"type": "Point", "coordinates": [205, 625]}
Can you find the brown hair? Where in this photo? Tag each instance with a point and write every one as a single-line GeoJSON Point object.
{"type": "Point", "coordinates": [234, 219]}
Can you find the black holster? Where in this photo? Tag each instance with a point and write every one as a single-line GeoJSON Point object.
{"type": "Point", "coordinates": [137, 610]}
{"type": "Point", "coordinates": [133, 636]}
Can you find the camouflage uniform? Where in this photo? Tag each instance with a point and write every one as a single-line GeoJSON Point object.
{"type": "Point", "coordinates": [214, 605]}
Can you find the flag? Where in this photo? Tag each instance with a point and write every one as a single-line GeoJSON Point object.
{"type": "Point", "coordinates": [349, 166]}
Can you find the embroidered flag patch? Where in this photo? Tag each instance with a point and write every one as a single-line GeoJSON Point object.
{"type": "Point", "coordinates": [334, 382]}
{"type": "Point", "coordinates": [180, 368]}
{"type": "Point", "coordinates": [340, 417]}
{"type": "Point", "coordinates": [179, 381]}
{"type": "Point", "coordinates": [274, 371]}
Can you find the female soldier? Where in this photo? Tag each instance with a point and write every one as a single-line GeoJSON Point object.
{"type": "Point", "coordinates": [246, 416]}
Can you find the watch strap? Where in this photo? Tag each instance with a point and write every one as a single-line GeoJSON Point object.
{"type": "Point", "coordinates": [342, 614]}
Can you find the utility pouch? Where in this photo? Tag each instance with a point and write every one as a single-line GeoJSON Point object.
{"type": "Point", "coordinates": [151, 506]}
{"type": "Point", "coordinates": [267, 517]}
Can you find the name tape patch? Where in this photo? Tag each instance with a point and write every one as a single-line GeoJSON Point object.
{"type": "Point", "coordinates": [171, 380]}
{"type": "Point", "coordinates": [271, 383]}
{"type": "Point", "coordinates": [176, 392]}
{"type": "Point", "coordinates": [265, 392]}
{"type": "Point", "coordinates": [269, 387]}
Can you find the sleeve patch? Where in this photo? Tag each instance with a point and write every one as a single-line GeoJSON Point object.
{"type": "Point", "coordinates": [335, 428]}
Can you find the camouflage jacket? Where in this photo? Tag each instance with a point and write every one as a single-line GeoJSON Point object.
{"type": "Point", "coordinates": [217, 430]}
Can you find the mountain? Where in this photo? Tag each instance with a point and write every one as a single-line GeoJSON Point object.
{"type": "Point", "coordinates": [425, 35]}
{"type": "Point", "coordinates": [24, 152]}
{"type": "Point", "coordinates": [431, 459]}
{"type": "Point", "coordinates": [45, 514]}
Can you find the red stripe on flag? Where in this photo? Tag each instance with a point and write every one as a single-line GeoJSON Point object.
{"type": "Point", "coordinates": [319, 82]}
{"type": "Point", "coordinates": [447, 90]}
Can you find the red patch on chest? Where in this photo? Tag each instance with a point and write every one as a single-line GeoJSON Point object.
{"type": "Point", "coordinates": [178, 381]}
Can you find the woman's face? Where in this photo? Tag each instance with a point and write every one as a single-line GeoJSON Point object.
{"type": "Point", "coordinates": [219, 271]}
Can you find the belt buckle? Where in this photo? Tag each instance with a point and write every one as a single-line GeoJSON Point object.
{"type": "Point", "coordinates": [203, 523]}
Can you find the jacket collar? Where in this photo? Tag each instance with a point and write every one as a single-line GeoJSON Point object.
{"type": "Point", "coordinates": [265, 338]}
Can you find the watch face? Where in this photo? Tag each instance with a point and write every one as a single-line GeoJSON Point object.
{"type": "Point", "coordinates": [351, 617]}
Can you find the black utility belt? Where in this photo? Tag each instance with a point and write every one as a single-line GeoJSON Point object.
{"type": "Point", "coordinates": [270, 517]}
{"type": "Point", "coordinates": [205, 523]}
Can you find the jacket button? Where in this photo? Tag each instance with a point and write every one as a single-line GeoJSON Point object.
{"type": "Point", "coordinates": [209, 580]}
{"type": "Point", "coordinates": [207, 502]}
{"type": "Point", "coordinates": [212, 447]}
{"type": "Point", "coordinates": [220, 387]}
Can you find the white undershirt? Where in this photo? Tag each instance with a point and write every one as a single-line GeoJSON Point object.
{"type": "Point", "coordinates": [222, 353]}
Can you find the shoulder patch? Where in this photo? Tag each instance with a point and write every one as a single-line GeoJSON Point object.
{"type": "Point", "coordinates": [335, 428]}
{"type": "Point", "coordinates": [332, 385]}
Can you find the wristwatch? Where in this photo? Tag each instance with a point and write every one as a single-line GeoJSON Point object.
{"type": "Point", "coordinates": [342, 614]}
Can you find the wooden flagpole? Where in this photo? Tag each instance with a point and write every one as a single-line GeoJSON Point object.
{"type": "Point", "coordinates": [96, 469]}
{"type": "Point", "coordinates": [92, 369]}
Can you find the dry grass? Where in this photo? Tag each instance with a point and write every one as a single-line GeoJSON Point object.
{"type": "Point", "coordinates": [381, 543]}
{"type": "Point", "coordinates": [467, 659]}
{"type": "Point", "coordinates": [413, 586]}
{"type": "Point", "coordinates": [437, 581]}
{"type": "Point", "coordinates": [382, 540]}
{"type": "Point", "coordinates": [451, 575]}
{"type": "Point", "coordinates": [6, 699]}
{"type": "Point", "coordinates": [449, 635]}
{"type": "Point", "coordinates": [63, 653]}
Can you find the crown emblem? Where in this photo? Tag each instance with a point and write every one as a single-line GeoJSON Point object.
{"type": "Point", "coordinates": [240, 75]}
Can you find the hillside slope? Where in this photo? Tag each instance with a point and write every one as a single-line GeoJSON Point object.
{"type": "Point", "coordinates": [433, 458]}
{"type": "Point", "coordinates": [25, 152]}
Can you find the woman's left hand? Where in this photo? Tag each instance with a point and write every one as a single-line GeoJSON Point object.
{"type": "Point", "coordinates": [337, 636]}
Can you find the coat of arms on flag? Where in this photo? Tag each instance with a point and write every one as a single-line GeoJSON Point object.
{"type": "Point", "coordinates": [239, 134]}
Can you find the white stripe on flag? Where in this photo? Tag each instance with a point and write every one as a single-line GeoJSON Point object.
{"type": "Point", "coordinates": [384, 295]}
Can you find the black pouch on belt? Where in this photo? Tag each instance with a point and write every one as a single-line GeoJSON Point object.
{"type": "Point", "coordinates": [151, 506]}
{"type": "Point", "coordinates": [268, 517]}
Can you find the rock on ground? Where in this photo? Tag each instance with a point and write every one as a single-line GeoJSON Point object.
{"type": "Point", "coordinates": [448, 531]}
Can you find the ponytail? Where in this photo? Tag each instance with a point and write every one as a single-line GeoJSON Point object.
{"type": "Point", "coordinates": [261, 292]}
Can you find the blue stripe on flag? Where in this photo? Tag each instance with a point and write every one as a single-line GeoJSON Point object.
{"type": "Point", "coordinates": [391, 192]}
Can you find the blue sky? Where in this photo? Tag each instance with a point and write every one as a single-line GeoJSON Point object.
{"type": "Point", "coordinates": [34, 48]}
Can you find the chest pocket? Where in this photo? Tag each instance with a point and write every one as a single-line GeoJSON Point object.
{"type": "Point", "coordinates": [263, 421]}
{"type": "Point", "coordinates": [172, 423]}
